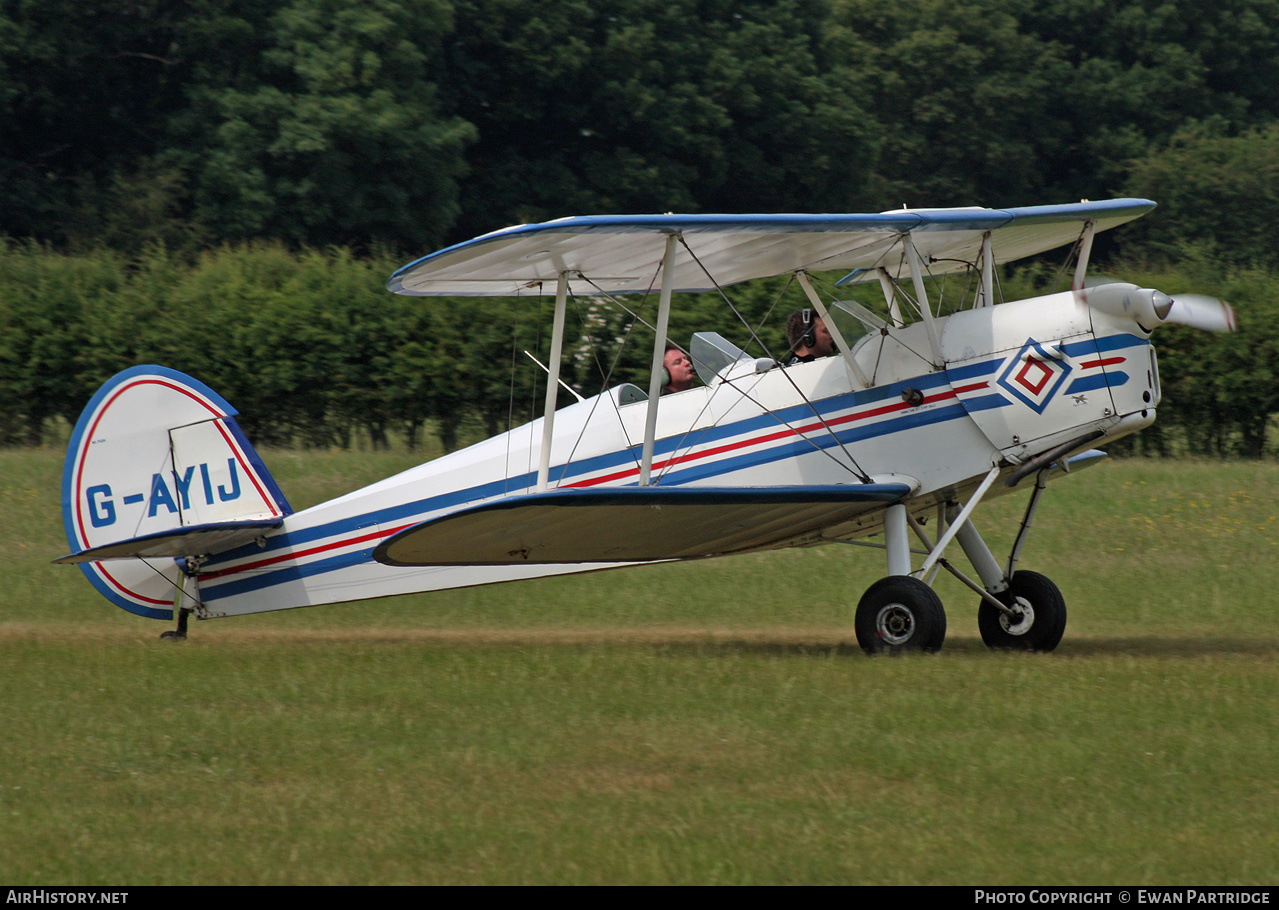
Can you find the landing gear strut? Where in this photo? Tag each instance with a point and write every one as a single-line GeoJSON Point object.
{"type": "Point", "coordinates": [899, 613]}
{"type": "Point", "coordinates": [189, 567]}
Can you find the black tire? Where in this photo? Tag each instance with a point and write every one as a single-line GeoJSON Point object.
{"type": "Point", "coordinates": [900, 613]}
{"type": "Point", "coordinates": [1038, 628]}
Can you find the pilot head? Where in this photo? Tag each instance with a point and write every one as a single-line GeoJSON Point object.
{"type": "Point", "coordinates": [677, 370]}
{"type": "Point", "coordinates": [808, 335]}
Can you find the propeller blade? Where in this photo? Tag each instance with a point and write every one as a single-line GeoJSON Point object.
{"type": "Point", "coordinates": [1199, 311]}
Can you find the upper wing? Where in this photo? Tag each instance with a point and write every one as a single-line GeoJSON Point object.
{"type": "Point", "coordinates": [630, 524]}
{"type": "Point", "coordinates": [620, 254]}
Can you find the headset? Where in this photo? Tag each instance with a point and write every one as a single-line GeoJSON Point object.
{"type": "Point", "coordinates": [809, 337]}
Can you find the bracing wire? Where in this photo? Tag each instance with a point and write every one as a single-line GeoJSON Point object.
{"type": "Point", "coordinates": [674, 462]}
{"type": "Point", "coordinates": [853, 465]}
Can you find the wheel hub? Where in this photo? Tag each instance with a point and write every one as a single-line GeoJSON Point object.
{"type": "Point", "coordinates": [895, 624]}
{"type": "Point", "coordinates": [1022, 619]}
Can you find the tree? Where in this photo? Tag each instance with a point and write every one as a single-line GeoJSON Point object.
{"type": "Point", "coordinates": [1140, 70]}
{"type": "Point", "coordinates": [640, 106]}
{"type": "Point", "coordinates": [1217, 193]}
{"type": "Point", "coordinates": [964, 95]}
{"type": "Point", "coordinates": [45, 303]}
{"type": "Point", "coordinates": [87, 94]}
{"type": "Point", "coordinates": [337, 138]}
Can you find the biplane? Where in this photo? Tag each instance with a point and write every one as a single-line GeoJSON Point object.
{"type": "Point", "coordinates": [918, 413]}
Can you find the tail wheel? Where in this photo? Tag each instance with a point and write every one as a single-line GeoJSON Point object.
{"type": "Point", "coordinates": [1038, 620]}
{"type": "Point", "coordinates": [898, 614]}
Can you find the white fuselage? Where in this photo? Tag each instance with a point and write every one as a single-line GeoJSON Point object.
{"type": "Point", "coordinates": [1008, 383]}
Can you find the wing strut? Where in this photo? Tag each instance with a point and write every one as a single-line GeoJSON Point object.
{"type": "Point", "coordinates": [921, 297]}
{"type": "Point", "coordinates": [1085, 250]}
{"type": "Point", "coordinates": [659, 354]}
{"type": "Point", "coordinates": [553, 380]}
{"type": "Point", "coordinates": [846, 355]}
{"type": "Point", "coordinates": [890, 297]}
{"type": "Point", "coordinates": [986, 293]}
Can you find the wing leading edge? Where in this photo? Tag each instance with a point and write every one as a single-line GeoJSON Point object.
{"type": "Point", "coordinates": [630, 524]}
{"type": "Point", "coordinates": [620, 254]}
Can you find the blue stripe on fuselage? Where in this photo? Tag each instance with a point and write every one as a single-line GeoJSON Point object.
{"type": "Point", "coordinates": [214, 590]}
{"type": "Point", "coordinates": [628, 456]}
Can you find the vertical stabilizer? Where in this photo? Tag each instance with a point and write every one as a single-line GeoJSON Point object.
{"type": "Point", "coordinates": [156, 452]}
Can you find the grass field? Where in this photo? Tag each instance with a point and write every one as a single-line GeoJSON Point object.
{"type": "Point", "coordinates": [696, 723]}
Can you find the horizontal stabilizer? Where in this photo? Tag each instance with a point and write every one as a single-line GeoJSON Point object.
{"type": "Point", "coordinates": [180, 543]}
{"type": "Point", "coordinates": [631, 524]}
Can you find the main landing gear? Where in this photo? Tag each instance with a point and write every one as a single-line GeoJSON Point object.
{"type": "Point", "coordinates": [1019, 610]}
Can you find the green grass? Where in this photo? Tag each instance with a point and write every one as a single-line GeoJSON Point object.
{"type": "Point", "coordinates": [697, 723]}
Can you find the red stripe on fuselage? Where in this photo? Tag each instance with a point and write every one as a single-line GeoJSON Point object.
{"type": "Point", "coordinates": [760, 440]}
{"type": "Point", "coordinates": [618, 475]}
{"type": "Point", "coordinates": [301, 554]}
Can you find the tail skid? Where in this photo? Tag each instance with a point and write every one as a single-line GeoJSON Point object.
{"type": "Point", "coordinates": [158, 471]}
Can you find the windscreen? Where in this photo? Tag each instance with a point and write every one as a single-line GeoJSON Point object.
{"type": "Point", "coordinates": [712, 353]}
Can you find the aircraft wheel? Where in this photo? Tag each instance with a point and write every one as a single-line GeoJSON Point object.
{"type": "Point", "coordinates": [1040, 619]}
{"type": "Point", "coordinates": [900, 613]}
